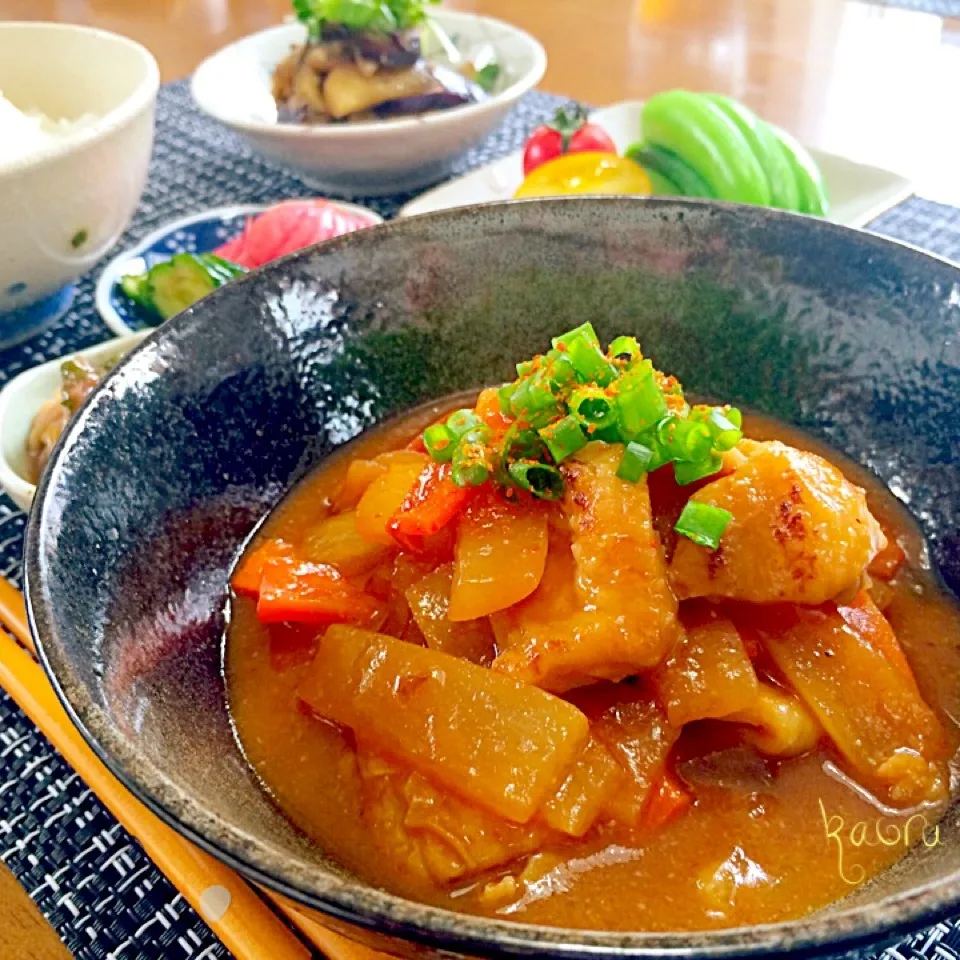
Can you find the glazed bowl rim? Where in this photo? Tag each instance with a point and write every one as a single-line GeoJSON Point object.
{"type": "Point", "coordinates": [362, 905]}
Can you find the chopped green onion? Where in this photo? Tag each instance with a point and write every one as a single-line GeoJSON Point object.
{"type": "Point", "coordinates": [592, 408]}
{"type": "Point", "coordinates": [703, 524]}
{"type": "Point", "coordinates": [525, 368]}
{"type": "Point", "coordinates": [609, 434]}
{"type": "Point", "coordinates": [687, 440]}
{"type": "Point", "coordinates": [734, 416]}
{"type": "Point", "coordinates": [585, 329]}
{"type": "Point", "coordinates": [534, 402]}
{"type": "Point", "coordinates": [471, 458]}
{"type": "Point", "coordinates": [504, 395]}
{"type": "Point", "coordinates": [640, 401]}
{"type": "Point", "coordinates": [685, 472]}
{"type": "Point", "coordinates": [460, 421]}
{"type": "Point", "coordinates": [589, 362]}
{"type": "Point", "coordinates": [540, 479]}
{"type": "Point", "coordinates": [470, 473]}
{"type": "Point", "coordinates": [440, 442]}
{"type": "Point", "coordinates": [477, 436]}
{"type": "Point", "coordinates": [726, 434]}
{"type": "Point", "coordinates": [635, 462]}
{"type": "Point", "coordinates": [521, 444]}
{"type": "Point", "coordinates": [660, 456]}
{"type": "Point", "coordinates": [625, 348]}
{"type": "Point", "coordinates": [563, 438]}
{"type": "Point", "coordinates": [559, 370]}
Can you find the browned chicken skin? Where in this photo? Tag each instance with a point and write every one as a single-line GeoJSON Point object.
{"type": "Point", "coordinates": [628, 617]}
{"type": "Point", "coordinates": [800, 533]}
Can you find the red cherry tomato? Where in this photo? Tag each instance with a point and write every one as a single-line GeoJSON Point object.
{"type": "Point", "coordinates": [568, 132]}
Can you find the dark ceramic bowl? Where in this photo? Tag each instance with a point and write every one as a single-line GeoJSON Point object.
{"type": "Point", "coordinates": [200, 431]}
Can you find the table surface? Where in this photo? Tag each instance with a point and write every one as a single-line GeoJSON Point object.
{"type": "Point", "coordinates": [855, 78]}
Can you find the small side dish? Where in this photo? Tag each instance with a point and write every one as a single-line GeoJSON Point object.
{"type": "Point", "coordinates": [79, 377]}
{"type": "Point", "coordinates": [363, 61]}
{"type": "Point", "coordinates": [583, 652]}
{"type": "Point", "coordinates": [693, 144]}
{"type": "Point", "coordinates": [175, 283]}
{"type": "Point", "coordinates": [36, 407]}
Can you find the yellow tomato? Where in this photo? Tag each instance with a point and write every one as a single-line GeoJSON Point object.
{"type": "Point", "coordinates": [585, 173]}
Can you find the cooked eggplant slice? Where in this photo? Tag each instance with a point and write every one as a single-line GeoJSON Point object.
{"type": "Point", "coordinates": [322, 57]}
{"type": "Point", "coordinates": [347, 90]}
{"type": "Point", "coordinates": [447, 89]}
{"type": "Point", "coordinates": [393, 50]}
{"type": "Point", "coordinates": [306, 90]}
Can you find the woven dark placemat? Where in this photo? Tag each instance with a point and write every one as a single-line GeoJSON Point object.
{"type": "Point", "coordinates": [940, 8]}
{"type": "Point", "coordinates": [91, 880]}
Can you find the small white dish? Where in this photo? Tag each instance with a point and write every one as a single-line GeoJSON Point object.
{"type": "Point", "coordinates": [858, 193]}
{"type": "Point", "coordinates": [197, 233]}
{"type": "Point", "coordinates": [24, 395]}
{"type": "Point", "coordinates": [64, 206]}
{"type": "Point", "coordinates": [365, 159]}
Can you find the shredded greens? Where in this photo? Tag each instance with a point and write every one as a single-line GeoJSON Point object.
{"type": "Point", "coordinates": [376, 16]}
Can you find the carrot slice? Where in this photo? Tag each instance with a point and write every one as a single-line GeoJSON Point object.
{"type": "Point", "coordinates": [310, 593]}
{"type": "Point", "coordinates": [433, 502]}
{"type": "Point", "coordinates": [668, 800]}
{"type": "Point", "coordinates": [488, 410]}
{"type": "Point", "coordinates": [867, 621]}
{"type": "Point", "coordinates": [246, 578]}
{"type": "Point", "coordinates": [888, 561]}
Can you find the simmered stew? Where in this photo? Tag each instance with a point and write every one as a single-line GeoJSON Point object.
{"type": "Point", "coordinates": [579, 652]}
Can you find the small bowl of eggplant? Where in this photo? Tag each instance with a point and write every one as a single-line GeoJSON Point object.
{"type": "Point", "coordinates": [367, 99]}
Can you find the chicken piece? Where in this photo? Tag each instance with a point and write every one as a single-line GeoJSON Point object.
{"type": "Point", "coordinates": [628, 617]}
{"type": "Point", "coordinates": [433, 834]}
{"type": "Point", "coordinates": [323, 57]}
{"type": "Point", "coordinates": [801, 533]}
{"type": "Point", "coordinates": [778, 724]}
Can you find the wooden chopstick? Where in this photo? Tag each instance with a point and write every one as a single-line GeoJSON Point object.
{"type": "Point", "coordinates": [333, 945]}
{"type": "Point", "coordinates": [13, 613]}
{"type": "Point", "coordinates": [236, 914]}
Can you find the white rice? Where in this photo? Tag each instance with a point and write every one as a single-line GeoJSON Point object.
{"type": "Point", "coordinates": [22, 134]}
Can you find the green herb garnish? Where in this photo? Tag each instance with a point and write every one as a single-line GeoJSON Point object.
{"type": "Point", "coordinates": [375, 16]}
{"type": "Point", "coordinates": [487, 76]}
{"type": "Point", "coordinates": [703, 524]}
{"type": "Point", "coordinates": [576, 393]}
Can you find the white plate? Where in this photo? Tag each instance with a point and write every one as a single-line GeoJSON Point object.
{"type": "Point", "coordinates": [858, 193]}
{"type": "Point", "coordinates": [24, 395]}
